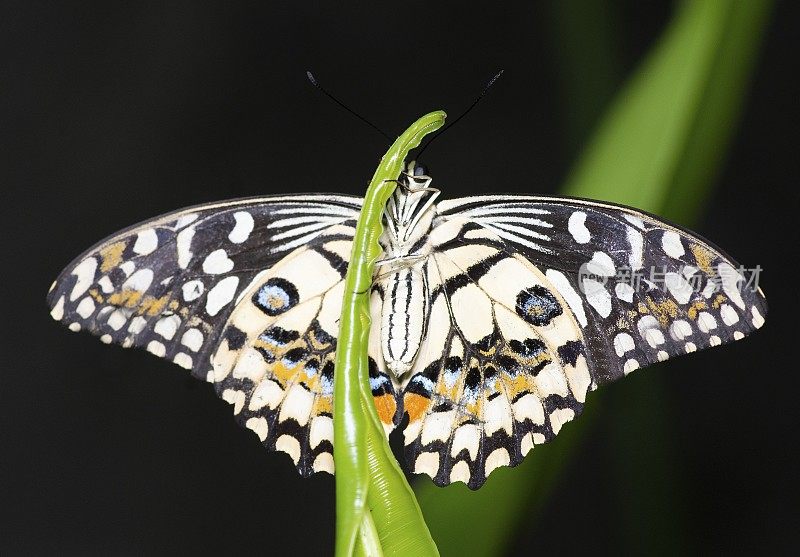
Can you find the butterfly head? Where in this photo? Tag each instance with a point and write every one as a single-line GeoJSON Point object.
{"type": "Point", "coordinates": [416, 168]}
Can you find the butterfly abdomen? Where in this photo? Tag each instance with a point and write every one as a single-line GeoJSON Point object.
{"type": "Point", "coordinates": [405, 297]}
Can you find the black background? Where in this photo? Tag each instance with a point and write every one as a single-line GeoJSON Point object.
{"type": "Point", "coordinates": [111, 115]}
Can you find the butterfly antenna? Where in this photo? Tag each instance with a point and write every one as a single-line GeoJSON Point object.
{"type": "Point", "coordinates": [316, 84]}
{"type": "Point", "coordinates": [467, 111]}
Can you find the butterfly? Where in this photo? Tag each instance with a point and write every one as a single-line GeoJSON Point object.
{"type": "Point", "coordinates": [492, 316]}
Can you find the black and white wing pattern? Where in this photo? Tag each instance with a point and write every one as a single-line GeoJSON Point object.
{"type": "Point", "coordinates": [246, 294]}
{"type": "Point", "coordinates": [534, 301]}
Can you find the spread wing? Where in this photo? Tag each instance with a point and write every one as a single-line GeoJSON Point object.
{"type": "Point", "coordinates": [245, 294]}
{"type": "Point", "coordinates": [537, 300]}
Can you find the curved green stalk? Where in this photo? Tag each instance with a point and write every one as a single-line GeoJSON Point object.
{"type": "Point", "coordinates": [368, 478]}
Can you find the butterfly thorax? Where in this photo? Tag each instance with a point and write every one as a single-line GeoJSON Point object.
{"type": "Point", "coordinates": [399, 275]}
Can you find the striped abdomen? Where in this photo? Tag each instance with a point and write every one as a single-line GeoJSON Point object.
{"type": "Point", "coordinates": [405, 296]}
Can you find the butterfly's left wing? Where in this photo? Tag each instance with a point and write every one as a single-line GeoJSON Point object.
{"type": "Point", "coordinates": [535, 301]}
{"type": "Point", "coordinates": [169, 284]}
{"type": "Point", "coordinates": [246, 294]}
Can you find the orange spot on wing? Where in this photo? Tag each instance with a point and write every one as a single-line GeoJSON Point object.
{"type": "Point", "coordinates": [386, 407]}
{"type": "Point", "coordinates": [416, 405]}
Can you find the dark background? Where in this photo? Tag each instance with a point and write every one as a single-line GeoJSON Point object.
{"type": "Point", "coordinates": [110, 115]}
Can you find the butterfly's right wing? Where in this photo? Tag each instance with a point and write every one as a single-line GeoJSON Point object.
{"type": "Point", "coordinates": [531, 308]}
{"type": "Point", "coordinates": [245, 293]}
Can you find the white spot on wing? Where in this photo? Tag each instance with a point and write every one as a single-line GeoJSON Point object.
{"type": "Point", "coordinates": [297, 405]}
{"type": "Point", "coordinates": [155, 347]}
{"type": "Point", "coordinates": [235, 397]}
{"type": "Point", "coordinates": [427, 463]}
{"type": "Point", "coordinates": [244, 226]}
{"type": "Point", "coordinates": [680, 329]}
{"type": "Point", "coordinates": [217, 262]}
{"type": "Point", "coordinates": [559, 417]}
{"type": "Point", "coordinates": [601, 264]}
{"type": "Point", "coordinates": [466, 437]}
{"type": "Point", "coordinates": [623, 343]}
{"type": "Point", "coordinates": [758, 319]}
{"type": "Point", "coordinates": [85, 271]}
{"type": "Point", "coordinates": [137, 325]}
{"type": "Point", "coordinates": [167, 326]}
{"type": "Point", "coordinates": [671, 242]}
{"type": "Point", "coordinates": [654, 337]}
{"type": "Point", "coordinates": [636, 243]}
{"type": "Point", "coordinates": [192, 290]}
{"type": "Point", "coordinates": [679, 287]}
{"type": "Point", "coordinates": [321, 430]}
{"type": "Point", "coordinates": [146, 242]}
{"type": "Point", "coordinates": [460, 472]}
{"type": "Point", "coordinates": [184, 246]}
{"type": "Point", "coordinates": [221, 295]}
{"type": "Point", "coordinates": [139, 281]}
{"type": "Point", "coordinates": [57, 312]}
{"type": "Point", "coordinates": [183, 360]}
{"type": "Point", "coordinates": [192, 339]}
{"type": "Point", "coordinates": [630, 366]}
{"type": "Point", "coordinates": [289, 445]}
{"type": "Point", "coordinates": [729, 315]}
{"type": "Point", "coordinates": [117, 319]}
{"type": "Point", "coordinates": [85, 307]}
{"type": "Point", "coordinates": [624, 292]}
{"type": "Point", "coordinates": [259, 426]}
{"type": "Point", "coordinates": [706, 321]}
{"type": "Point", "coordinates": [323, 463]}
{"type": "Point", "coordinates": [577, 227]}
{"type": "Point", "coordinates": [105, 284]}
{"type": "Point", "coordinates": [497, 458]}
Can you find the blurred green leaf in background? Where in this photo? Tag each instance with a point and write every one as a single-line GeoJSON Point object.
{"type": "Point", "coordinates": [658, 147]}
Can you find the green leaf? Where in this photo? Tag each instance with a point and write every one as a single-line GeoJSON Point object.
{"type": "Point", "coordinates": [658, 148]}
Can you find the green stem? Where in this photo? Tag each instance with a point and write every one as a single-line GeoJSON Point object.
{"type": "Point", "coordinates": [368, 478]}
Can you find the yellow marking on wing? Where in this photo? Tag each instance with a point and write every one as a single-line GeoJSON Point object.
{"type": "Point", "coordinates": [663, 311]}
{"type": "Point", "coordinates": [153, 306]}
{"type": "Point", "coordinates": [111, 256]}
{"type": "Point", "coordinates": [694, 308]}
{"type": "Point", "coordinates": [283, 372]}
{"type": "Point", "coordinates": [516, 385]}
{"type": "Point", "coordinates": [703, 258]}
{"type": "Point", "coordinates": [93, 292]}
{"type": "Point", "coordinates": [642, 308]}
{"type": "Point", "coordinates": [323, 405]}
{"type": "Point", "coordinates": [718, 301]}
{"type": "Point", "coordinates": [125, 298]}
